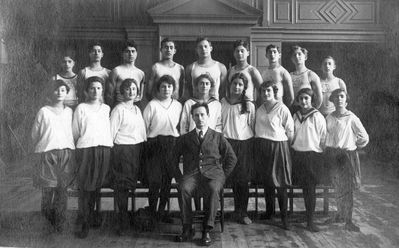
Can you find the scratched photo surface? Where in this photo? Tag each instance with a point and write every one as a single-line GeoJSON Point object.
{"type": "Point", "coordinates": [361, 35]}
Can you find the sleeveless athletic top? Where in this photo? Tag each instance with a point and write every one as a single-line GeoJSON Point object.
{"type": "Point", "coordinates": [275, 75]}
{"type": "Point", "coordinates": [71, 98]}
{"type": "Point", "coordinates": [123, 74]}
{"type": "Point", "coordinates": [250, 92]}
{"type": "Point", "coordinates": [327, 88]}
{"type": "Point", "coordinates": [215, 73]}
{"type": "Point", "coordinates": [300, 81]}
{"type": "Point", "coordinates": [174, 72]}
{"type": "Point", "coordinates": [103, 73]}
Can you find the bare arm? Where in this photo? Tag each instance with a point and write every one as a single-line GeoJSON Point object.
{"type": "Point", "coordinates": [288, 88]}
{"type": "Point", "coordinates": [151, 83]}
{"type": "Point", "coordinates": [188, 89]}
{"type": "Point", "coordinates": [342, 84]}
{"type": "Point", "coordinates": [143, 87]}
{"type": "Point", "coordinates": [182, 85]}
{"type": "Point", "coordinates": [110, 88]}
{"type": "Point", "coordinates": [316, 87]}
{"type": "Point", "coordinates": [223, 80]}
{"type": "Point", "coordinates": [80, 88]}
{"type": "Point", "coordinates": [256, 78]}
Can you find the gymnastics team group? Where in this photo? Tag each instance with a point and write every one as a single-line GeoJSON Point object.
{"type": "Point", "coordinates": [231, 127]}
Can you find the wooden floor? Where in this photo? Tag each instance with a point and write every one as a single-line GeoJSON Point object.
{"type": "Point", "coordinates": [376, 212]}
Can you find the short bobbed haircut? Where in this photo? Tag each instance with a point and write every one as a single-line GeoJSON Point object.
{"type": "Point", "coordinates": [307, 91]}
{"type": "Point", "coordinates": [91, 80]}
{"type": "Point", "coordinates": [59, 83]}
{"type": "Point", "coordinates": [127, 83]}
{"type": "Point", "coordinates": [165, 79]}
{"type": "Point", "coordinates": [335, 93]}
{"type": "Point", "coordinates": [205, 75]}
{"type": "Point", "coordinates": [268, 84]}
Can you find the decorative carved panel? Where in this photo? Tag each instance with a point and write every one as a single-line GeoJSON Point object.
{"type": "Point", "coordinates": [282, 11]}
{"type": "Point", "coordinates": [325, 12]}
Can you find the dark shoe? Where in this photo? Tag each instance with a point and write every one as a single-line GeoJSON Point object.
{"type": "Point", "coordinates": [206, 239]}
{"type": "Point", "coordinates": [286, 225]}
{"type": "Point", "coordinates": [84, 232]}
{"type": "Point", "coordinates": [96, 220]}
{"type": "Point", "coordinates": [351, 227]}
{"type": "Point", "coordinates": [187, 235]}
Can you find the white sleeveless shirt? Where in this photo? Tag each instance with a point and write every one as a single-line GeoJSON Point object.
{"type": "Point", "coordinates": [174, 72]}
{"type": "Point", "coordinates": [215, 73]}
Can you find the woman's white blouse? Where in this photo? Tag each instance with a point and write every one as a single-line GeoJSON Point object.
{"type": "Point", "coordinates": [92, 128]}
{"type": "Point", "coordinates": [127, 125]}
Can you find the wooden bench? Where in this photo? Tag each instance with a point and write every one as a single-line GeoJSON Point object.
{"type": "Point", "coordinates": [256, 191]}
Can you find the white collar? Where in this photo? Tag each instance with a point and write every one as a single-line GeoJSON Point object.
{"type": "Point", "coordinates": [203, 131]}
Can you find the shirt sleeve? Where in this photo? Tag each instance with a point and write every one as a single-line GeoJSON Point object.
{"type": "Point", "coordinates": [218, 127]}
{"type": "Point", "coordinates": [76, 123]}
{"type": "Point", "coordinates": [147, 116]}
{"type": "Point", "coordinates": [116, 120]}
{"type": "Point", "coordinates": [36, 128]}
{"type": "Point", "coordinates": [362, 138]}
{"type": "Point", "coordinates": [288, 124]}
{"type": "Point", "coordinates": [185, 120]}
{"type": "Point", "coordinates": [321, 129]}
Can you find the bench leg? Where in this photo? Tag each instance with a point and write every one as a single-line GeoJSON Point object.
{"type": "Point", "coordinates": [325, 201]}
{"type": "Point", "coordinates": [222, 210]}
{"type": "Point", "coordinates": [256, 200]}
{"type": "Point", "coordinates": [291, 199]}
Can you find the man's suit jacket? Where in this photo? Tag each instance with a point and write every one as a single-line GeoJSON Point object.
{"type": "Point", "coordinates": [214, 158]}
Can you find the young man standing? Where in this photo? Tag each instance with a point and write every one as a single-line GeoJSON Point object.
{"type": "Point", "coordinates": [205, 64]}
{"type": "Point", "coordinates": [124, 71]}
{"type": "Point", "coordinates": [166, 67]}
{"type": "Point", "coordinates": [276, 73]}
{"type": "Point", "coordinates": [93, 69]}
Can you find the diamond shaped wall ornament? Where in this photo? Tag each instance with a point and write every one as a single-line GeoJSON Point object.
{"type": "Point", "coordinates": [336, 11]}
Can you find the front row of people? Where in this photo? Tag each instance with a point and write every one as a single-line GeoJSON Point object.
{"type": "Point", "coordinates": [266, 138]}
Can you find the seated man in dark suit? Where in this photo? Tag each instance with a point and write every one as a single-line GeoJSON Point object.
{"type": "Point", "coordinates": [204, 152]}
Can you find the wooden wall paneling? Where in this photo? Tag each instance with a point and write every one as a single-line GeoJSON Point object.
{"type": "Point", "coordinates": [325, 14]}
{"type": "Point", "coordinates": [282, 12]}
{"type": "Point", "coordinates": [97, 12]}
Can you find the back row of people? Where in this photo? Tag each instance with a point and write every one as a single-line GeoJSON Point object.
{"type": "Point", "coordinates": [288, 83]}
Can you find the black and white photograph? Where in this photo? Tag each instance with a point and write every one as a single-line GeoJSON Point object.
{"type": "Point", "coordinates": [199, 123]}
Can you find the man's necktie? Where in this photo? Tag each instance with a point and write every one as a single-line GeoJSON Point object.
{"type": "Point", "coordinates": [200, 136]}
